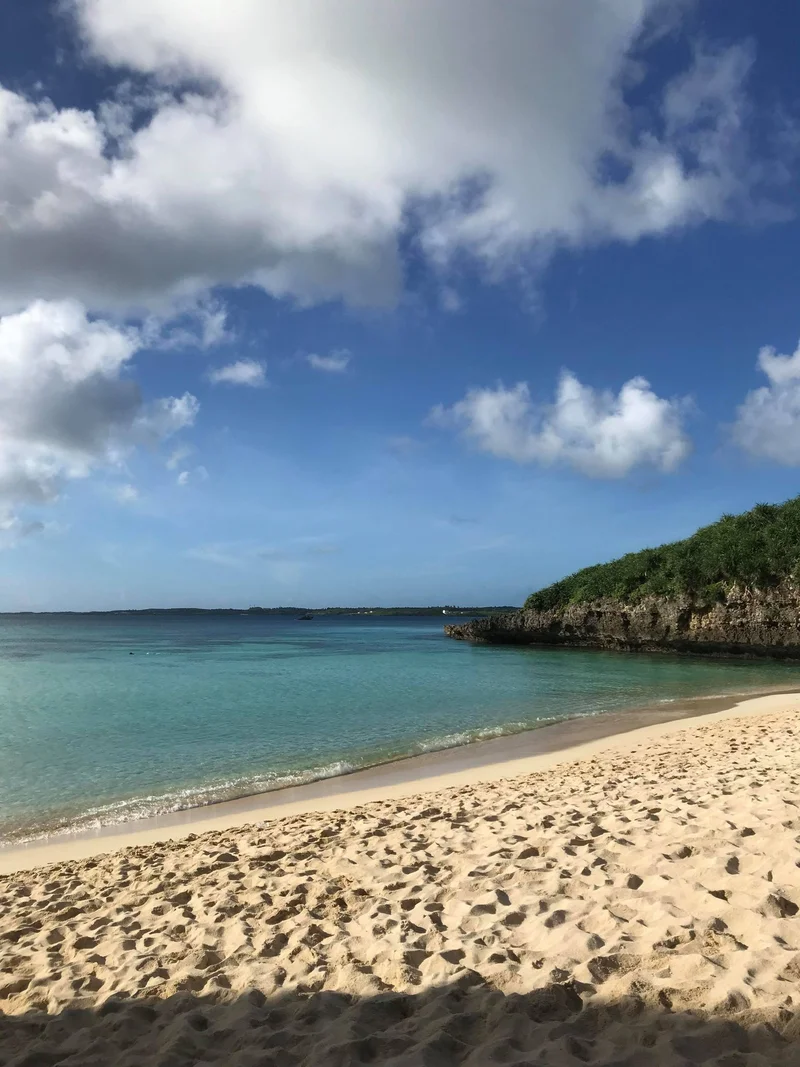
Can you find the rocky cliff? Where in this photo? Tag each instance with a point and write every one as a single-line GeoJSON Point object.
{"type": "Point", "coordinates": [747, 622]}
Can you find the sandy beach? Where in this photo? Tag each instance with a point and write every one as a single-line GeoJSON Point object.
{"type": "Point", "coordinates": [632, 900]}
{"type": "Point", "coordinates": [507, 756]}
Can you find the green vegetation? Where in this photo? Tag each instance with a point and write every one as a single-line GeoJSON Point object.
{"type": "Point", "coordinates": [758, 549]}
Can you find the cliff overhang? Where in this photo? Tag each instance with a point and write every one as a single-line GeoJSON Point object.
{"type": "Point", "coordinates": [744, 622]}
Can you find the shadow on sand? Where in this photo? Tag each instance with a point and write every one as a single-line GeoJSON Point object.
{"type": "Point", "coordinates": [467, 1022]}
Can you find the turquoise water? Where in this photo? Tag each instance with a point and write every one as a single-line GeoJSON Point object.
{"type": "Point", "coordinates": [211, 707]}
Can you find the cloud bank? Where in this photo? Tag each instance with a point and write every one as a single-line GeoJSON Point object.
{"type": "Point", "coordinates": [600, 434]}
{"type": "Point", "coordinates": [290, 146]}
{"type": "Point", "coordinates": [297, 148]}
{"type": "Point", "coordinates": [66, 405]}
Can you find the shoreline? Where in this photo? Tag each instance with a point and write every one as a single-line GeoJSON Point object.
{"type": "Point", "coordinates": [637, 903]}
{"type": "Point", "coordinates": [491, 760]}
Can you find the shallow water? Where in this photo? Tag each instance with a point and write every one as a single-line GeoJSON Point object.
{"type": "Point", "coordinates": [212, 707]}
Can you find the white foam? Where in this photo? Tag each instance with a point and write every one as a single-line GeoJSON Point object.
{"type": "Point", "coordinates": [153, 805]}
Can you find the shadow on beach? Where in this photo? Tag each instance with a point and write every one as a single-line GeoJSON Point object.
{"type": "Point", "coordinates": [467, 1022]}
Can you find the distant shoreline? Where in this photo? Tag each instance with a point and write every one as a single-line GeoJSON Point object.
{"type": "Point", "coordinates": [411, 612]}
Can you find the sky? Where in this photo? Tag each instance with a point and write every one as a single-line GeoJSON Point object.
{"type": "Point", "coordinates": [341, 302]}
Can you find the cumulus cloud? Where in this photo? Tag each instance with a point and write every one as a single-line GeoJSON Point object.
{"type": "Point", "coordinates": [67, 406]}
{"type": "Point", "coordinates": [29, 529]}
{"type": "Point", "coordinates": [199, 474]}
{"type": "Point", "coordinates": [198, 323]}
{"type": "Point", "coordinates": [177, 456]}
{"type": "Point", "coordinates": [336, 363]}
{"type": "Point", "coordinates": [126, 494]}
{"type": "Point", "coordinates": [768, 422]}
{"type": "Point", "coordinates": [599, 433]}
{"type": "Point", "coordinates": [165, 417]}
{"type": "Point", "coordinates": [321, 129]}
{"type": "Point", "coordinates": [13, 529]}
{"type": "Point", "coordinates": [242, 372]}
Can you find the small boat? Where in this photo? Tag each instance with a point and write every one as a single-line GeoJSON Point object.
{"type": "Point", "coordinates": [305, 618]}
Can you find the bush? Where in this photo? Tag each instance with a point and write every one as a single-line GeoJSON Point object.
{"type": "Point", "coordinates": [758, 549]}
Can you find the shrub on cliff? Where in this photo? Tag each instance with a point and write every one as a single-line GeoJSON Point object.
{"type": "Point", "coordinates": [758, 549]}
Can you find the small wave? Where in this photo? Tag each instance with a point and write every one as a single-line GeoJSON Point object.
{"type": "Point", "coordinates": [133, 809]}
{"type": "Point", "coordinates": [469, 737]}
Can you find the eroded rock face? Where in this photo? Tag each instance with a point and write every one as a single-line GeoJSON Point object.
{"type": "Point", "coordinates": [751, 622]}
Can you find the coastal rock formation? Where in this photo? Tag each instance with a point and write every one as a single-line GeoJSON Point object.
{"type": "Point", "coordinates": [748, 622]}
{"type": "Point", "coordinates": [731, 589]}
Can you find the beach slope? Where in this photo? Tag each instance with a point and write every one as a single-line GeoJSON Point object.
{"type": "Point", "coordinates": [640, 905]}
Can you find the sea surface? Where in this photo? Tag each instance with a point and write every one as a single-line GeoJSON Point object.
{"type": "Point", "coordinates": [111, 718]}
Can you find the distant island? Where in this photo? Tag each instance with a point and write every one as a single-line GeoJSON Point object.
{"type": "Point", "coordinates": [733, 588]}
{"type": "Point", "coordinates": [297, 612]}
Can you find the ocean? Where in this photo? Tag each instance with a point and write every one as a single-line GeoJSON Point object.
{"type": "Point", "coordinates": [105, 719]}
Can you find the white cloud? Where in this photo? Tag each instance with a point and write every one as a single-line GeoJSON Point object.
{"type": "Point", "coordinates": [126, 494]}
{"type": "Point", "coordinates": [336, 363]}
{"type": "Point", "coordinates": [199, 474]}
{"type": "Point", "coordinates": [602, 434]}
{"type": "Point", "coordinates": [165, 417]}
{"type": "Point", "coordinates": [198, 323]}
{"type": "Point", "coordinates": [177, 456]}
{"type": "Point", "coordinates": [13, 529]}
{"type": "Point", "coordinates": [242, 372]}
{"type": "Point", "coordinates": [768, 422]}
{"type": "Point", "coordinates": [322, 128]}
{"type": "Point", "coordinates": [67, 405]}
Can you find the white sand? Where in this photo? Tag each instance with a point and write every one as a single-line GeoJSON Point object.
{"type": "Point", "coordinates": [635, 902]}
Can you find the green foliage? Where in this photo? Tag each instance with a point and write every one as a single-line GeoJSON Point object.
{"type": "Point", "coordinates": [757, 549]}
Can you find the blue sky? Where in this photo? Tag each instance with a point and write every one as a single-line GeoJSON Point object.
{"type": "Point", "coordinates": [287, 300]}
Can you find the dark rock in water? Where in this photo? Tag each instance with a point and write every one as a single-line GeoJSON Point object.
{"type": "Point", "coordinates": [305, 618]}
{"type": "Point", "coordinates": [750, 622]}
